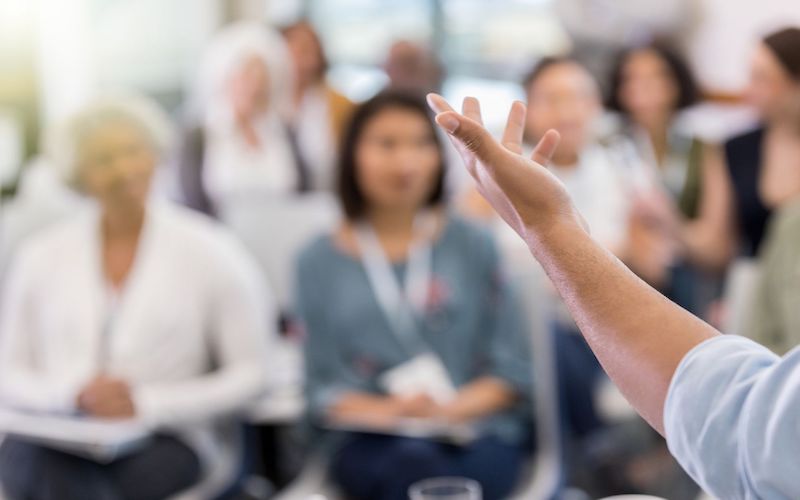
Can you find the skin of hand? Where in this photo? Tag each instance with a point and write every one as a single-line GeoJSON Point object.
{"type": "Point", "coordinates": [639, 336]}
{"type": "Point", "coordinates": [107, 397]}
{"type": "Point", "coordinates": [381, 411]}
{"type": "Point", "coordinates": [481, 397]}
{"type": "Point", "coordinates": [418, 406]}
{"type": "Point", "coordinates": [484, 396]}
{"type": "Point", "coordinates": [531, 199]}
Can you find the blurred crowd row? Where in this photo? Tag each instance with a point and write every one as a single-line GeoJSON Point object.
{"type": "Point", "coordinates": [286, 274]}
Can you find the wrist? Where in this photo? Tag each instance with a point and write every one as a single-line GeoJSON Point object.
{"type": "Point", "coordinates": [393, 406]}
{"type": "Point", "coordinates": [553, 234]}
{"type": "Point", "coordinates": [453, 413]}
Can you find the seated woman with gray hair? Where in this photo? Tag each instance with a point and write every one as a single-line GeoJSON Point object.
{"type": "Point", "coordinates": [239, 145]}
{"type": "Point", "coordinates": [131, 309]}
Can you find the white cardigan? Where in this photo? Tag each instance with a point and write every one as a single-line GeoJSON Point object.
{"type": "Point", "coordinates": [190, 327]}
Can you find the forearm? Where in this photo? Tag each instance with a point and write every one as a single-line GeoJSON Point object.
{"type": "Point", "coordinates": [482, 397]}
{"type": "Point", "coordinates": [201, 398]}
{"type": "Point", "coordinates": [637, 334]}
{"type": "Point", "coordinates": [358, 404]}
{"type": "Point", "coordinates": [29, 390]}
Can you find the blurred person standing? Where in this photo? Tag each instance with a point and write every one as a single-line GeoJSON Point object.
{"type": "Point", "coordinates": [428, 328]}
{"type": "Point", "coordinates": [241, 145]}
{"type": "Point", "coordinates": [319, 113]}
{"type": "Point", "coordinates": [131, 309]}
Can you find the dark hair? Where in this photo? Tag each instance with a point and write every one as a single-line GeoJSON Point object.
{"type": "Point", "coordinates": [785, 44]}
{"type": "Point", "coordinates": [681, 75]}
{"type": "Point", "coordinates": [546, 63]}
{"type": "Point", "coordinates": [350, 195]}
{"type": "Point", "coordinates": [304, 24]}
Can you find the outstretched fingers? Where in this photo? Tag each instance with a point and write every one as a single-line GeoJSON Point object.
{"type": "Point", "coordinates": [515, 126]}
{"type": "Point", "coordinates": [471, 108]}
{"type": "Point", "coordinates": [438, 103]}
{"type": "Point", "coordinates": [467, 131]}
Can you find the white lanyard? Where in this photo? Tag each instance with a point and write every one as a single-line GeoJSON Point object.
{"type": "Point", "coordinates": [398, 303]}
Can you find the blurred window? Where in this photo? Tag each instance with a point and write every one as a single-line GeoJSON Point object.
{"type": "Point", "coordinates": [486, 47]}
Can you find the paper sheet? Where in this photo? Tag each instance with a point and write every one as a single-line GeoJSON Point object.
{"type": "Point", "coordinates": [101, 440]}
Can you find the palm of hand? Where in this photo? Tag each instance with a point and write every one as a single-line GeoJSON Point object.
{"type": "Point", "coordinates": [523, 192]}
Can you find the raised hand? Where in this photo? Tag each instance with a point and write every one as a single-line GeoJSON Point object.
{"type": "Point", "coordinates": [522, 191]}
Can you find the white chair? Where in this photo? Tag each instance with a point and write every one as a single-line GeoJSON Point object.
{"type": "Point", "coordinates": [41, 202]}
{"type": "Point", "coordinates": [275, 229]}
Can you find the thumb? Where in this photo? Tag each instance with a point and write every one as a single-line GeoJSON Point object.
{"type": "Point", "coordinates": [471, 135]}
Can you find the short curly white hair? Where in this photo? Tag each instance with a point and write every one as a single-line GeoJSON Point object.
{"type": "Point", "coordinates": [64, 142]}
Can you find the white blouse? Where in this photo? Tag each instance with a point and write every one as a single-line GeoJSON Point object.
{"type": "Point", "coordinates": [233, 168]}
{"type": "Point", "coordinates": [188, 331]}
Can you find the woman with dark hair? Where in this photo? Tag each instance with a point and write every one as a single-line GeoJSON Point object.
{"type": "Point", "coordinates": [408, 316]}
{"type": "Point", "coordinates": [650, 86]}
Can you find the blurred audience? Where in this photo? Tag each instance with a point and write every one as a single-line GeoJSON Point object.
{"type": "Point", "coordinates": [775, 314]}
{"type": "Point", "coordinates": [131, 309]}
{"type": "Point", "coordinates": [128, 307]}
{"type": "Point", "coordinates": [454, 330]}
{"type": "Point", "coordinates": [319, 113]}
{"type": "Point", "coordinates": [413, 67]}
{"type": "Point", "coordinates": [732, 215]}
{"type": "Point", "coordinates": [727, 232]}
{"type": "Point", "coordinates": [241, 145]}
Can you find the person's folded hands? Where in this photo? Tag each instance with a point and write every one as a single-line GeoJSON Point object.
{"type": "Point", "coordinates": [107, 397]}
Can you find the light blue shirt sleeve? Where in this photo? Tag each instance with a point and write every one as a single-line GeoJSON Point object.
{"type": "Point", "coordinates": [731, 419]}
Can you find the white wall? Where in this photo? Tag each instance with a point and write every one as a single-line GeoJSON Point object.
{"type": "Point", "coordinates": [727, 30]}
{"type": "Point", "coordinates": [87, 47]}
